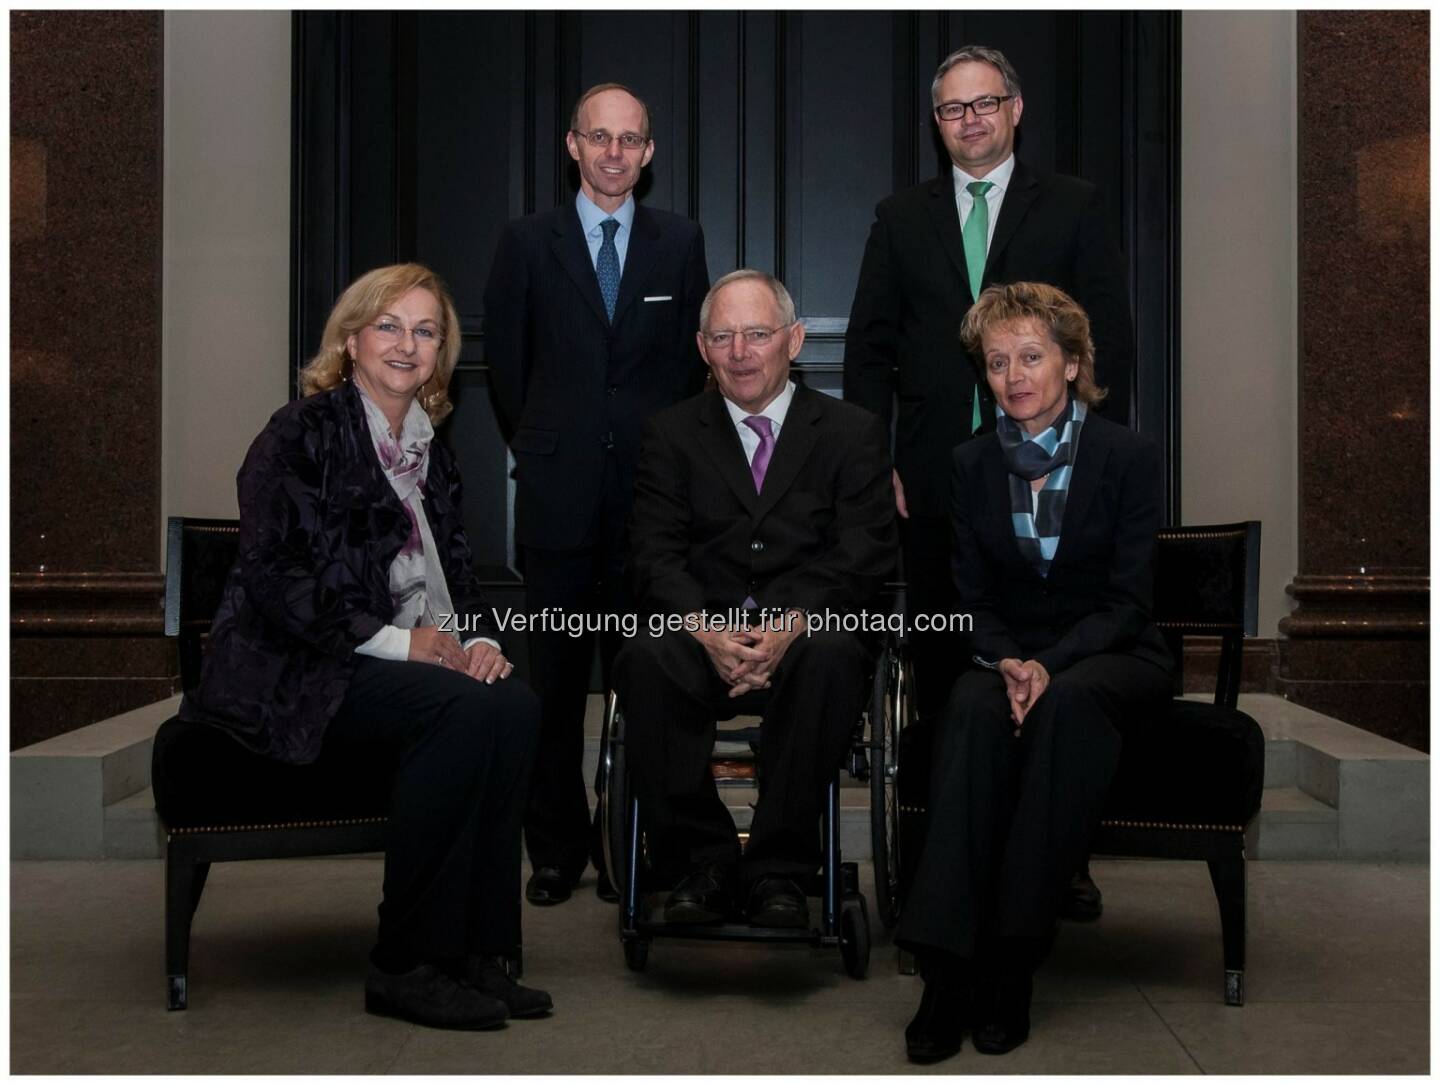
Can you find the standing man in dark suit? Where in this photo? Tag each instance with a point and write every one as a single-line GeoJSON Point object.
{"type": "Point", "coordinates": [763, 496]}
{"type": "Point", "coordinates": [590, 312]}
{"type": "Point", "coordinates": [933, 248]}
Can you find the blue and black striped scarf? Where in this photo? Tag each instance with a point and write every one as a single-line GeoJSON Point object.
{"type": "Point", "coordinates": [1037, 523]}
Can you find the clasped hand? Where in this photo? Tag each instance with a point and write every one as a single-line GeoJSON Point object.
{"type": "Point", "coordinates": [746, 658]}
{"type": "Point", "coordinates": [1024, 683]}
{"type": "Point", "coordinates": [481, 661]}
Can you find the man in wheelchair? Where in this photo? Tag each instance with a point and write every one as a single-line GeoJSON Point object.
{"type": "Point", "coordinates": [760, 508]}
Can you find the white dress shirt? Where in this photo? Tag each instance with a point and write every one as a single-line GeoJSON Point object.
{"type": "Point", "coordinates": [999, 179]}
{"type": "Point", "coordinates": [776, 412]}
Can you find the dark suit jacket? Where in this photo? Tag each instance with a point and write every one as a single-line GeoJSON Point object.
{"type": "Point", "coordinates": [1098, 595]}
{"type": "Point", "coordinates": [320, 526]}
{"type": "Point", "coordinates": [820, 534]}
{"type": "Point", "coordinates": [573, 389]}
{"type": "Point", "coordinates": [914, 291]}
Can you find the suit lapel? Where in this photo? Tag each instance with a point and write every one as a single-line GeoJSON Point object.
{"type": "Point", "coordinates": [1091, 459]}
{"type": "Point", "coordinates": [797, 440]}
{"type": "Point", "coordinates": [1024, 187]}
{"type": "Point", "coordinates": [947, 227]}
{"type": "Point", "coordinates": [568, 245]}
{"type": "Point", "coordinates": [639, 256]}
{"type": "Point", "coordinates": [997, 498]}
{"type": "Point", "coordinates": [722, 444]}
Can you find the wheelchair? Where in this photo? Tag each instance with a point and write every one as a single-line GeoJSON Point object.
{"type": "Point", "coordinates": [844, 921]}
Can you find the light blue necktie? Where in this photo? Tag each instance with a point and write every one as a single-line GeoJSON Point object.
{"type": "Point", "coordinates": [976, 233]}
{"type": "Point", "coordinates": [607, 267]}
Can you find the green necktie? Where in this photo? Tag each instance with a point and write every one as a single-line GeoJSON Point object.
{"type": "Point", "coordinates": [976, 233]}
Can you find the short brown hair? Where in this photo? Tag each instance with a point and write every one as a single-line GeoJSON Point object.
{"type": "Point", "coordinates": [365, 299]}
{"type": "Point", "coordinates": [1004, 305]}
{"type": "Point", "coordinates": [973, 54]}
{"type": "Point", "coordinates": [601, 88]}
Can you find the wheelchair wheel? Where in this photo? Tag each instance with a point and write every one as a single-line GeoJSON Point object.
{"type": "Point", "coordinates": [614, 800]}
{"type": "Point", "coordinates": [637, 953]}
{"type": "Point", "coordinates": [855, 937]}
{"type": "Point", "coordinates": [890, 709]}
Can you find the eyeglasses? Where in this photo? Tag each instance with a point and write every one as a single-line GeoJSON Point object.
{"type": "Point", "coordinates": [601, 139]}
{"type": "Point", "coordinates": [982, 107]}
{"type": "Point", "coordinates": [392, 332]}
{"type": "Point", "coordinates": [756, 337]}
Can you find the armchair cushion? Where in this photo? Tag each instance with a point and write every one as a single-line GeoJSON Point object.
{"type": "Point", "coordinates": [1195, 764]}
{"type": "Point", "coordinates": [202, 777]}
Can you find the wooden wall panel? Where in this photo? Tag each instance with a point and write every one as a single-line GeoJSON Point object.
{"type": "Point", "coordinates": [418, 135]}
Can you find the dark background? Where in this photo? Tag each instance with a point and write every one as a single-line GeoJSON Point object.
{"type": "Point", "coordinates": [418, 135]}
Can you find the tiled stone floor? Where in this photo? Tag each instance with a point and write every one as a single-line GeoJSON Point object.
{"type": "Point", "coordinates": [1338, 982]}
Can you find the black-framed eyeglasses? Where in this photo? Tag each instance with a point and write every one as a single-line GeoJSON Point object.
{"type": "Point", "coordinates": [982, 107]}
{"type": "Point", "coordinates": [601, 139]}
{"type": "Point", "coordinates": [392, 331]}
{"type": "Point", "coordinates": [756, 337]}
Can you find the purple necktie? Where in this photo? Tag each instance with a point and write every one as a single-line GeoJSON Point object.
{"type": "Point", "coordinates": [761, 425]}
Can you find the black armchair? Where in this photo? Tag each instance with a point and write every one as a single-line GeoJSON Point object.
{"type": "Point", "coordinates": [218, 801]}
{"type": "Point", "coordinates": [1187, 787]}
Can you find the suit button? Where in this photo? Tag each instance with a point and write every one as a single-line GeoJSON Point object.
{"type": "Point", "coordinates": [756, 545]}
{"type": "Point", "coordinates": [610, 390]}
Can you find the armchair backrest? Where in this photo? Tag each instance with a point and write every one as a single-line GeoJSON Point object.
{"type": "Point", "coordinates": [1207, 583]}
{"type": "Point", "coordinates": [198, 557]}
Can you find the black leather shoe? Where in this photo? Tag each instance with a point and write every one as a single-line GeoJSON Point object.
{"type": "Point", "coordinates": [938, 1027]}
{"type": "Point", "coordinates": [701, 897]}
{"type": "Point", "coordinates": [1005, 1025]}
{"type": "Point", "coordinates": [427, 996]}
{"type": "Point", "coordinates": [605, 888]}
{"type": "Point", "coordinates": [1082, 901]}
{"type": "Point", "coordinates": [548, 885]}
{"type": "Point", "coordinates": [777, 902]}
{"type": "Point", "coordinates": [489, 976]}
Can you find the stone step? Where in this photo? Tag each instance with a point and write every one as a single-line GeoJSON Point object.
{"type": "Point", "coordinates": [1293, 825]}
{"type": "Point", "coordinates": [132, 828]}
{"type": "Point", "coordinates": [1333, 791]}
{"type": "Point", "coordinates": [59, 788]}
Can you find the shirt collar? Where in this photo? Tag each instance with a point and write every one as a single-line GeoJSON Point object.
{"type": "Point", "coordinates": [999, 176]}
{"type": "Point", "coordinates": [591, 216]}
{"type": "Point", "coordinates": [776, 412]}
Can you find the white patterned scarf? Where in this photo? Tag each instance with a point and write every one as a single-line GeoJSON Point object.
{"type": "Point", "coordinates": [417, 579]}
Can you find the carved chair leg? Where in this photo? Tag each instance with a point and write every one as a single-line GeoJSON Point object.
{"type": "Point", "coordinates": [184, 878]}
{"type": "Point", "coordinates": [1228, 877]}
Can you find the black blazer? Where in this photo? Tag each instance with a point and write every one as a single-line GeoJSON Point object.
{"type": "Point", "coordinates": [320, 526]}
{"type": "Point", "coordinates": [820, 534]}
{"type": "Point", "coordinates": [914, 291]}
{"type": "Point", "coordinates": [571, 388]}
{"type": "Point", "coordinates": [1098, 595]}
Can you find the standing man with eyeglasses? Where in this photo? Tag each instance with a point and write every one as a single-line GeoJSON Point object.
{"type": "Point", "coordinates": [990, 218]}
{"type": "Point", "coordinates": [590, 318]}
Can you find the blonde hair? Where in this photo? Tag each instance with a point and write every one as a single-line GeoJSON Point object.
{"type": "Point", "coordinates": [365, 299]}
{"type": "Point", "coordinates": [1005, 305]}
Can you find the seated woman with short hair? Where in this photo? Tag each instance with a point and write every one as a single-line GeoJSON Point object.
{"type": "Point", "coordinates": [332, 641]}
{"type": "Point", "coordinates": [1054, 519]}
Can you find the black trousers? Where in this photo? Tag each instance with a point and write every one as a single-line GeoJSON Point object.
{"type": "Point", "coordinates": [585, 581]}
{"type": "Point", "coordinates": [1011, 818]}
{"type": "Point", "coordinates": [670, 693]}
{"type": "Point", "coordinates": [461, 752]}
{"type": "Point", "coordinates": [938, 656]}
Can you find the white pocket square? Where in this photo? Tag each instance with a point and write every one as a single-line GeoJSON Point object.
{"type": "Point", "coordinates": [661, 297]}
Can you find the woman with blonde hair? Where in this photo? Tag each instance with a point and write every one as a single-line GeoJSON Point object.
{"type": "Point", "coordinates": [1054, 520]}
{"type": "Point", "coordinates": [335, 641]}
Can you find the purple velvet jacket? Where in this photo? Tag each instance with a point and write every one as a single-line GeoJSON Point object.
{"type": "Point", "coordinates": [320, 526]}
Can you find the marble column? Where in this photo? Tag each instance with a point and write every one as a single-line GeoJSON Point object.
{"type": "Point", "coordinates": [87, 138]}
{"type": "Point", "coordinates": [1358, 639]}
